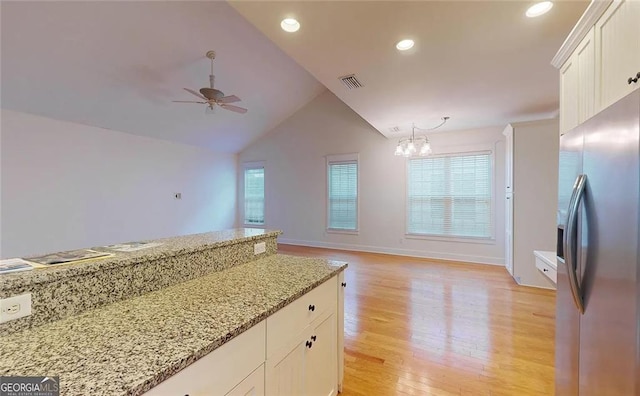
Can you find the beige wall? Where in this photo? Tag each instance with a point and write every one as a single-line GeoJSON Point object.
{"type": "Point", "coordinates": [535, 191]}
{"type": "Point", "coordinates": [295, 173]}
{"type": "Point", "coordinates": [68, 186]}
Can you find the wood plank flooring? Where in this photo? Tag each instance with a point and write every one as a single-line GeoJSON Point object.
{"type": "Point", "coordinates": [427, 327]}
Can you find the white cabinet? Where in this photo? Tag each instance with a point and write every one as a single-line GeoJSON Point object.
{"type": "Point", "coordinates": [253, 385]}
{"type": "Point", "coordinates": [309, 365]}
{"type": "Point", "coordinates": [320, 365]}
{"type": "Point", "coordinates": [546, 263]}
{"type": "Point", "coordinates": [585, 60]}
{"type": "Point", "coordinates": [617, 51]}
{"type": "Point", "coordinates": [295, 351]}
{"type": "Point", "coordinates": [598, 59]}
{"type": "Point", "coordinates": [577, 85]}
{"type": "Point", "coordinates": [220, 371]}
{"type": "Point", "coordinates": [304, 359]}
{"type": "Point", "coordinates": [285, 370]}
{"type": "Point", "coordinates": [568, 95]}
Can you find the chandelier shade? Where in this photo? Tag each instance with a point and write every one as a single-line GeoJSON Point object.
{"type": "Point", "coordinates": [416, 146]}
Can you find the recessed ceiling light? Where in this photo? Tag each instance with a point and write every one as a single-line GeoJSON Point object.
{"type": "Point", "coordinates": [539, 9]}
{"type": "Point", "coordinates": [290, 25]}
{"type": "Point", "coordinates": [404, 45]}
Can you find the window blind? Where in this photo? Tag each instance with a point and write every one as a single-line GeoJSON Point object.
{"type": "Point", "coordinates": [450, 196]}
{"type": "Point", "coordinates": [254, 196]}
{"type": "Point", "coordinates": [343, 195]}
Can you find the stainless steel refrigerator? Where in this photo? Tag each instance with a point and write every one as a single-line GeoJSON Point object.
{"type": "Point", "coordinates": [598, 299]}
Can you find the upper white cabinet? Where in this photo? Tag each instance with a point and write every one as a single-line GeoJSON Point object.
{"type": "Point", "coordinates": [569, 95]}
{"type": "Point", "coordinates": [600, 60]}
{"type": "Point", "coordinates": [617, 35]}
{"type": "Point", "coordinates": [577, 85]}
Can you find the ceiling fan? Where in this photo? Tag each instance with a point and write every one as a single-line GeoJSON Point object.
{"type": "Point", "coordinates": [213, 97]}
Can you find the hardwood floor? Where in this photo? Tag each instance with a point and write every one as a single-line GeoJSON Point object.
{"type": "Point", "coordinates": [427, 327]}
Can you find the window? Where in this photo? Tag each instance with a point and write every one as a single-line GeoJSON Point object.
{"type": "Point", "coordinates": [342, 180]}
{"type": "Point", "coordinates": [450, 195]}
{"type": "Point", "coordinates": [254, 194]}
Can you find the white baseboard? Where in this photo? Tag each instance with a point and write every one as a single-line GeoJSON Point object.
{"type": "Point", "coordinates": [397, 252]}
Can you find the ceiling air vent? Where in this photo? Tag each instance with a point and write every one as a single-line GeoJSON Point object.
{"type": "Point", "coordinates": [351, 81]}
{"type": "Point", "coordinates": [394, 129]}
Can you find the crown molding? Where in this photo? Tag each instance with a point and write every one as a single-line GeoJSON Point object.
{"type": "Point", "coordinates": [591, 15]}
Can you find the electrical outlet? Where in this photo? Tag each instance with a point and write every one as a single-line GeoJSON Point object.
{"type": "Point", "coordinates": [260, 247]}
{"type": "Point", "coordinates": [15, 307]}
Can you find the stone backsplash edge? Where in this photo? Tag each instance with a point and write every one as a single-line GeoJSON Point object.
{"type": "Point", "coordinates": [71, 295]}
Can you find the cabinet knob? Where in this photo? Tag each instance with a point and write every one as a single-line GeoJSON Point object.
{"type": "Point", "coordinates": [309, 344]}
{"type": "Point", "coordinates": [344, 284]}
{"type": "Point", "coordinates": [313, 338]}
{"type": "Point", "coordinates": [544, 270]}
{"type": "Point", "coordinates": [634, 79]}
{"type": "Point", "coordinates": [312, 307]}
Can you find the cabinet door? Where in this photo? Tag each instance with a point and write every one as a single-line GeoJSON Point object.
{"type": "Point", "coordinates": [569, 95]}
{"type": "Point", "coordinates": [320, 373]}
{"type": "Point", "coordinates": [253, 385]}
{"type": "Point", "coordinates": [585, 61]}
{"type": "Point", "coordinates": [284, 372]}
{"type": "Point", "coordinates": [617, 37]}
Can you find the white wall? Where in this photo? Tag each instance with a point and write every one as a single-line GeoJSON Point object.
{"type": "Point", "coordinates": [535, 197]}
{"type": "Point", "coordinates": [66, 186]}
{"type": "Point", "coordinates": [295, 182]}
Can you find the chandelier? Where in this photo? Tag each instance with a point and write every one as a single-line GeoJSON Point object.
{"type": "Point", "coordinates": [416, 146]}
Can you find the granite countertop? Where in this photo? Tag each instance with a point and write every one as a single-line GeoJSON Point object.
{"type": "Point", "coordinates": [170, 247]}
{"type": "Point", "coordinates": [127, 347]}
{"type": "Point", "coordinates": [547, 257]}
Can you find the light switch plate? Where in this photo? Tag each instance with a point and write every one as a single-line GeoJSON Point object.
{"type": "Point", "coordinates": [259, 247]}
{"type": "Point", "coordinates": [15, 307]}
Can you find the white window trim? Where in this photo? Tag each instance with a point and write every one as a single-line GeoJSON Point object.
{"type": "Point", "coordinates": [444, 152]}
{"type": "Point", "coordinates": [245, 167]}
{"type": "Point", "coordinates": [337, 158]}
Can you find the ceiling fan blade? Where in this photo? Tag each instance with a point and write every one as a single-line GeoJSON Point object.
{"type": "Point", "coordinates": [229, 99]}
{"type": "Point", "coordinates": [237, 109]}
{"type": "Point", "coordinates": [191, 91]}
{"type": "Point", "coordinates": [187, 101]}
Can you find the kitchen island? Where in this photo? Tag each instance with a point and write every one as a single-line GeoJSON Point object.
{"type": "Point", "coordinates": [129, 346]}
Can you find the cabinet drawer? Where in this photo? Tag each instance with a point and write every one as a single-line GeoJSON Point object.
{"type": "Point", "coordinates": [220, 371]}
{"type": "Point", "coordinates": [287, 323]}
{"type": "Point", "coordinates": [547, 270]}
{"type": "Point", "coordinates": [253, 385]}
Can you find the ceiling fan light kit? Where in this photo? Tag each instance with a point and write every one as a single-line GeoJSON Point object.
{"type": "Point", "coordinates": [416, 146]}
{"type": "Point", "coordinates": [214, 97]}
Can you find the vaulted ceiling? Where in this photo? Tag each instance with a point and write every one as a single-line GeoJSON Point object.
{"type": "Point", "coordinates": [483, 63]}
{"type": "Point", "coordinates": [118, 65]}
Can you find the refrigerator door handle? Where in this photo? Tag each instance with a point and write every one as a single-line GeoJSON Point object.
{"type": "Point", "coordinates": [570, 240]}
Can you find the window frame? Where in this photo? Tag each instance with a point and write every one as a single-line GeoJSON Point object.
{"type": "Point", "coordinates": [337, 159]}
{"type": "Point", "coordinates": [248, 166]}
{"type": "Point", "coordinates": [490, 240]}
